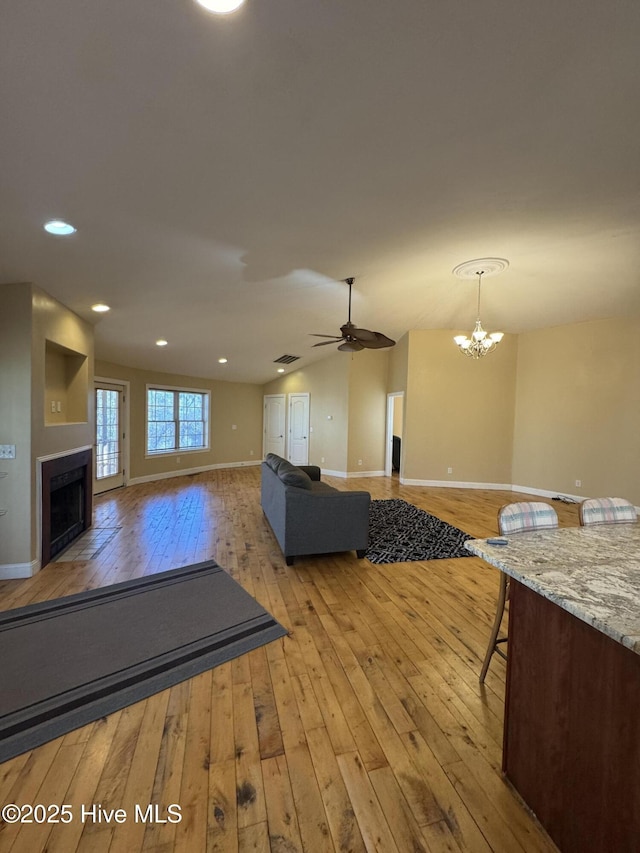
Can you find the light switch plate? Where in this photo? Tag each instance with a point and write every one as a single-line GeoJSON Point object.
{"type": "Point", "coordinates": [7, 451]}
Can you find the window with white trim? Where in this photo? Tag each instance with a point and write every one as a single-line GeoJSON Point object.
{"type": "Point", "coordinates": [177, 419]}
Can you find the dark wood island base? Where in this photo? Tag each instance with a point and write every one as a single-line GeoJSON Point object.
{"type": "Point", "coordinates": [572, 727]}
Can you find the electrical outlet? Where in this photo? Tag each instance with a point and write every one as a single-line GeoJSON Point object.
{"type": "Point", "coordinates": [449, 470]}
{"type": "Point", "coordinates": [7, 451]}
{"type": "Point", "coordinates": [578, 483]}
{"type": "Point", "coordinates": [359, 461]}
{"type": "Point", "coordinates": [53, 405]}
{"type": "Point", "coordinates": [322, 458]}
{"type": "Point", "coordinates": [251, 453]}
{"type": "Point", "coordinates": [59, 406]}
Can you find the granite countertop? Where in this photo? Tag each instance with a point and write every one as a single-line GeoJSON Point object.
{"type": "Point", "coordinates": [592, 572]}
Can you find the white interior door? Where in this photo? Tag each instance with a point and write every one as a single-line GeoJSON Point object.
{"type": "Point", "coordinates": [299, 429]}
{"type": "Point", "coordinates": [108, 470]}
{"type": "Point", "coordinates": [274, 422]}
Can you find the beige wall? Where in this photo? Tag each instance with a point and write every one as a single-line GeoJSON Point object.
{"type": "Point", "coordinates": [232, 403]}
{"type": "Point", "coordinates": [15, 424]}
{"type": "Point", "coordinates": [458, 412]}
{"type": "Point", "coordinates": [53, 322]}
{"type": "Point", "coordinates": [368, 371]}
{"type": "Point", "coordinates": [577, 414]}
{"type": "Point", "coordinates": [29, 319]}
{"type": "Point", "coordinates": [347, 407]}
{"type": "Point", "coordinates": [327, 383]}
{"type": "Point", "coordinates": [398, 365]}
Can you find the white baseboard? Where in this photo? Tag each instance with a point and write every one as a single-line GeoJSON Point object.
{"type": "Point", "coordinates": [454, 484]}
{"type": "Point", "coordinates": [166, 475]}
{"type": "Point", "coordinates": [11, 571]}
{"type": "Point", "coordinates": [507, 487]}
{"type": "Point", "coordinates": [547, 493]}
{"type": "Point", "coordinates": [349, 474]}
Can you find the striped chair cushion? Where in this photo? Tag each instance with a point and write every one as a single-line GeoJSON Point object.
{"type": "Point", "coordinates": [607, 511]}
{"type": "Point", "coordinates": [526, 515]}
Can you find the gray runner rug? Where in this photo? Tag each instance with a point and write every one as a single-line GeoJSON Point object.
{"type": "Point", "coordinates": [67, 662]}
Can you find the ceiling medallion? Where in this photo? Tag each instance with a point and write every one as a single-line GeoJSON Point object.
{"type": "Point", "coordinates": [488, 266]}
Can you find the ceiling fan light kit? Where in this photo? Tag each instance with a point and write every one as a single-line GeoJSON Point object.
{"type": "Point", "coordinates": [353, 339]}
{"type": "Point", "coordinates": [480, 342]}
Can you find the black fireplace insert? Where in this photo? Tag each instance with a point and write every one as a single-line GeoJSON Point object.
{"type": "Point", "coordinates": [66, 501]}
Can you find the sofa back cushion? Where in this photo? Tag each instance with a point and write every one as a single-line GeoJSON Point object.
{"type": "Point", "coordinates": [292, 476]}
{"type": "Point", "coordinates": [274, 461]}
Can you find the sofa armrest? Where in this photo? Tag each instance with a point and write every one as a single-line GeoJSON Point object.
{"type": "Point", "coordinates": [312, 470]}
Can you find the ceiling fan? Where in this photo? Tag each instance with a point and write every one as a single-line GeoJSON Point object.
{"type": "Point", "coordinates": [353, 339]}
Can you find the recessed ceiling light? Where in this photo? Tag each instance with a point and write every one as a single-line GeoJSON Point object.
{"type": "Point", "coordinates": [59, 227]}
{"type": "Point", "coordinates": [220, 7]}
{"type": "Point", "coordinates": [100, 308]}
{"type": "Point", "coordinates": [222, 361]}
{"type": "Point", "coordinates": [281, 370]}
{"type": "Point", "coordinates": [161, 343]}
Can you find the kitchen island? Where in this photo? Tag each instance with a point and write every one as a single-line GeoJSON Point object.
{"type": "Point", "coordinates": [572, 707]}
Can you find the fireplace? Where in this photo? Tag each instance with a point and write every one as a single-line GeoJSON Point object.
{"type": "Point", "coordinates": [66, 501]}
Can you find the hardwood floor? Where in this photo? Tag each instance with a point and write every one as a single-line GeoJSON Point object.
{"type": "Point", "coordinates": [364, 729]}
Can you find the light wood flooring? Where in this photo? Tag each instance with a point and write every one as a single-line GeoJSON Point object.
{"type": "Point", "coordinates": [364, 729]}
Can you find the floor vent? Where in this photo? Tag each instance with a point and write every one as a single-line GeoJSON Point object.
{"type": "Point", "coordinates": [286, 359]}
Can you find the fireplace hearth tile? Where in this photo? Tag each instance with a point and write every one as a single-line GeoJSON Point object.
{"type": "Point", "coordinates": [88, 546]}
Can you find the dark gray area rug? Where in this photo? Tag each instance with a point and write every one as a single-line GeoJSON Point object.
{"type": "Point", "coordinates": [400, 532]}
{"type": "Point", "coordinates": [70, 661]}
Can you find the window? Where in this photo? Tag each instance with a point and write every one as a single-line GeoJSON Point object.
{"type": "Point", "coordinates": [177, 419]}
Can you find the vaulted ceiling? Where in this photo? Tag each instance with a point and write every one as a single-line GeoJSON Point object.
{"type": "Point", "coordinates": [224, 173]}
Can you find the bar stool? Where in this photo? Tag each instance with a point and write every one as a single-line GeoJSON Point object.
{"type": "Point", "coordinates": [514, 518]}
{"type": "Point", "coordinates": [607, 511]}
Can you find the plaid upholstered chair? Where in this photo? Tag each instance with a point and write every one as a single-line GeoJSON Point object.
{"type": "Point", "coordinates": [515, 518]}
{"type": "Point", "coordinates": [607, 511]}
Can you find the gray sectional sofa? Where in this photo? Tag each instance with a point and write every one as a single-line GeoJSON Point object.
{"type": "Point", "coordinates": [308, 516]}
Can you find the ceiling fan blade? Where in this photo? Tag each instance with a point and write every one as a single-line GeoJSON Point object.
{"type": "Point", "coordinates": [379, 342]}
{"type": "Point", "coordinates": [363, 334]}
{"type": "Point", "coordinates": [351, 346]}
{"type": "Point", "coordinates": [324, 343]}
{"type": "Point", "coordinates": [335, 337]}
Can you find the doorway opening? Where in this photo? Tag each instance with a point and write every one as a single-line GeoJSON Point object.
{"type": "Point", "coordinates": [395, 425]}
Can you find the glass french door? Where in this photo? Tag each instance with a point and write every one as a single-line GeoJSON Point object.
{"type": "Point", "coordinates": [109, 467]}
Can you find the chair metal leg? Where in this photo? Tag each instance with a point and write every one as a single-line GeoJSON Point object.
{"type": "Point", "coordinates": [493, 640]}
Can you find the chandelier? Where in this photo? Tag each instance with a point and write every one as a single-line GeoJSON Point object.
{"type": "Point", "coordinates": [480, 342]}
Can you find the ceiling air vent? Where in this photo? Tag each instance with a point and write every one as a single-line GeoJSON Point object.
{"type": "Point", "coordinates": [286, 359]}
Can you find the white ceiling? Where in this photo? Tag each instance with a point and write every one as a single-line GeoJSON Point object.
{"type": "Point", "coordinates": [225, 173]}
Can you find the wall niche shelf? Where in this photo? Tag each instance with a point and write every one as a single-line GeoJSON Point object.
{"type": "Point", "coordinates": [66, 385]}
